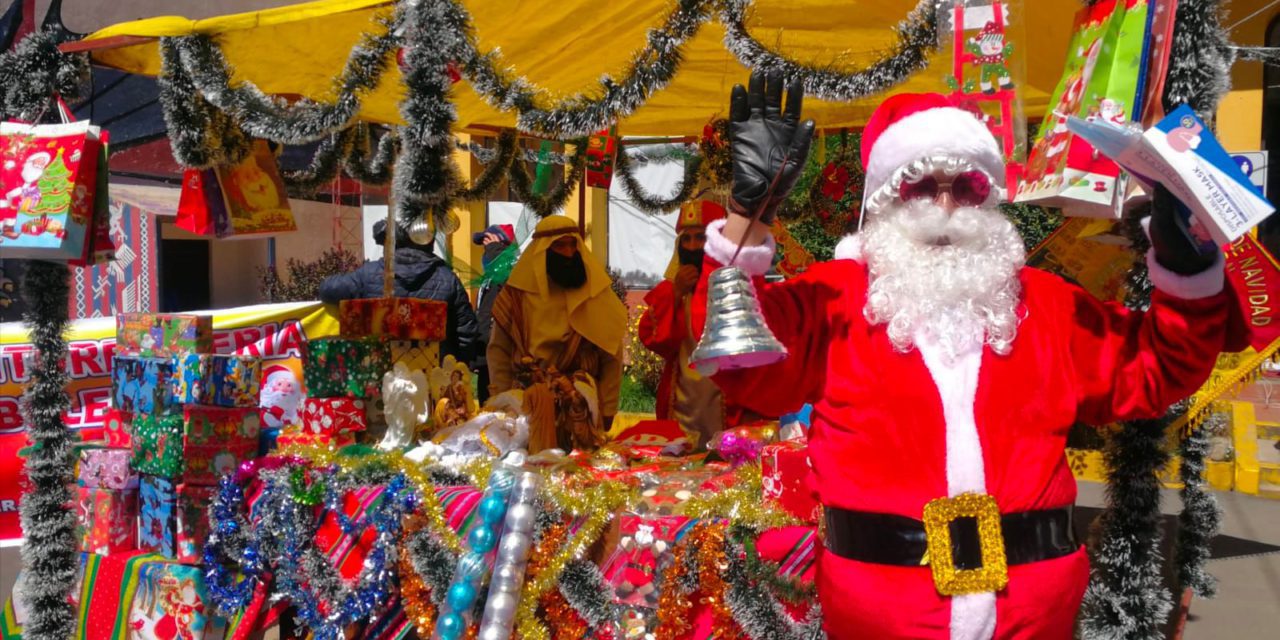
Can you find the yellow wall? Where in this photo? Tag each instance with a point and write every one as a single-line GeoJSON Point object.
{"type": "Point", "coordinates": [1239, 123]}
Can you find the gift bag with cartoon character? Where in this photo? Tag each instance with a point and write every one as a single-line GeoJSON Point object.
{"type": "Point", "coordinates": [256, 202]}
{"type": "Point", "coordinates": [172, 603]}
{"type": "Point", "coordinates": [1104, 78]}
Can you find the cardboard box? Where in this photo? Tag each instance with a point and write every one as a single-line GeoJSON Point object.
{"type": "Point", "coordinates": [116, 426]}
{"type": "Point", "coordinates": [193, 526]}
{"type": "Point", "coordinates": [142, 386]}
{"type": "Point", "coordinates": [334, 416]}
{"type": "Point", "coordinates": [215, 441]}
{"type": "Point", "coordinates": [157, 516]}
{"type": "Point", "coordinates": [106, 469]}
{"type": "Point", "coordinates": [218, 380]}
{"type": "Point", "coordinates": [105, 519]}
{"type": "Point", "coordinates": [171, 602]}
{"type": "Point", "coordinates": [785, 479]}
{"type": "Point", "coordinates": [160, 335]}
{"type": "Point", "coordinates": [158, 445]}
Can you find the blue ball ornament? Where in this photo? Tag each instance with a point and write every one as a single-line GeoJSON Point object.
{"type": "Point", "coordinates": [483, 539]}
{"type": "Point", "coordinates": [451, 626]}
{"type": "Point", "coordinates": [492, 509]}
{"type": "Point", "coordinates": [462, 596]}
{"type": "Point", "coordinates": [470, 567]}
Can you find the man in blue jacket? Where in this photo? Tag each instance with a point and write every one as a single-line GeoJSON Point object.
{"type": "Point", "coordinates": [420, 273]}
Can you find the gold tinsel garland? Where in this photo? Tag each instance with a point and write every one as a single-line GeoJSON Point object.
{"type": "Point", "coordinates": [564, 621]}
{"type": "Point", "coordinates": [707, 540]}
{"type": "Point", "coordinates": [597, 505]}
{"type": "Point", "coordinates": [743, 503]}
{"type": "Point", "coordinates": [414, 593]}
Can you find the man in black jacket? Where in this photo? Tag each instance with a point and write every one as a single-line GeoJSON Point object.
{"type": "Point", "coordinates": [420, 273]}
{"type": "Point", "coordinates": [495, 239]}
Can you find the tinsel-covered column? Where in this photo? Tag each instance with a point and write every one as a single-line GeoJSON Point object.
{"type": "Point", "coordinates": [29, 76]}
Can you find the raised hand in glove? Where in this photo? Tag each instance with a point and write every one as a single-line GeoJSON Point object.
{"type": "Point", "coordinates": [768, 147]}
{"type": "Point", "coordinates": [1174, 249]}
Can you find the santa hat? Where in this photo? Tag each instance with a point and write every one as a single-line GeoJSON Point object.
{"type": "Point", "coordinates": [274, 371]}
{"type": "Point", "coordinates": [912, 126]}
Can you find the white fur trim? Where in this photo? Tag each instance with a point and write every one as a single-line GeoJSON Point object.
{"type": "Point", "coordinates": [973, 616]}
{"type": "Point", "coordinates": [755, 261]}
{"type": "Point", "coordinates": [849, 248]}
{"type": "Point", "coordinates": [944, 130]}
{"type": "Point", "coordinates": [1206, 284]}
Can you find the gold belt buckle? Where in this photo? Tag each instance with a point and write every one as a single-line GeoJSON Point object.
{"type": "Point", "coordinates": [950, 581]}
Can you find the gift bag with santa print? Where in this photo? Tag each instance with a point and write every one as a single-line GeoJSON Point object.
{"type": "Point", "coordinates": [48, 200]}
{"type": "Point", "coordinates": [255, 199]}
{"type": "Point", "coordinates": [280, 399]}
{"type": "Point", "coordinates": [1104, 78]}
{"type": "Point", "coordinates": [172, 603]}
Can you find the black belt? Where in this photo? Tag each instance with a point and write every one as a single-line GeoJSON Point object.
{"type": "Point", "coordinates": [883, 538]}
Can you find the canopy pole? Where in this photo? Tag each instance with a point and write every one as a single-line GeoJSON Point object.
{"type": "Point", "coordinates": [389, 252]}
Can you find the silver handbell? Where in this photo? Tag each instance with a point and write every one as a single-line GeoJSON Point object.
{"type": "Point", "coordinates": [736, 335]}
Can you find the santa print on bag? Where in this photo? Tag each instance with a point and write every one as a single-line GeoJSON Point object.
{"type": "Point", "coordinates": [280, 399]}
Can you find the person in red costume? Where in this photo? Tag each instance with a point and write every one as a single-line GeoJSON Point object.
{"type": "Point", "coordinates": [690, 399]}
{"type": "Point", "coordinates": [944, 374]}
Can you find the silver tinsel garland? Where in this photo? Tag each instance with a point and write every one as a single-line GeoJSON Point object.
{"type": "Point", "coordinates": [656, 205]}
{"type": "Point", "coordinates": [917, 38]}
{"type": "Point", "coordinates": [1200, 517]}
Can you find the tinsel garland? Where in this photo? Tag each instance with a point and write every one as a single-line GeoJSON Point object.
{"type": "Point", "coordinates": [231, 542]}
{"type": "Point", "coordinates": [1200, 59]}
{"type": "Point", "coordinates": [522, 186]}
{"type": "Point", "coordinates": [485, 155]}
{"type": "Point", "coordinates": [917, 38]}
{"type": "Point", "coordinates": [1125, 599]}
{"type": "Point", "coordinates": [34, 71]}
{"type": "Point", "coordinates": [740, 503]}
{"type": "Point", "coordinates": [1200, 517]}
{"type": "Point", "coordinates": [758, 612]}
{"type": "Point", "coordinates": [656, 205]}
{"type": "Point", "coordinates": [583, 587]}
{"type": "Point", "coordinates": [701, 558]}
{"type": "Point", "coordinates": [48, 520]}
{"type": "Point", "coordinates": [766, 573]}
{"type": "Point", "coordinates": [651, 69]}
{"type": "Point", "coordinates": [29, 77]}
{"type": "Point", "coordinates": [488, 181]}
{"type": "Point", "coordinates": [200, 135]}
{"type": "Point", "coordinates": [271, 118]}
{"type": "Point", "coordinates": [324, 165]}
{"type": "Point", "coordinates": [370, 165]}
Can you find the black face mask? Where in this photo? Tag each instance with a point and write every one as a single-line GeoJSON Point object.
{"type": "Point", "coordinates": [492, 250]}
{"type": "Point", "coordinates": [569, 273]}
{"type": "Point", "coordinates": [690, 256]}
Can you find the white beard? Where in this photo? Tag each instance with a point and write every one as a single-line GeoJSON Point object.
{"type": "Point", "coordinates": [952, 280]}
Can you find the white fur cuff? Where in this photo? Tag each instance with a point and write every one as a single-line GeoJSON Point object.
{"type": "Point", "coordinates": [755, 261]}
{"type": "Point", "coordinates": [849, 248]}
{"type": "Point", "coordinates": [1205, 284]}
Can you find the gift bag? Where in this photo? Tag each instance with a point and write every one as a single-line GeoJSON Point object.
{"type": "Point", "coordinates": [49, 175]}
{"type": "Point", "coordinates": [1104, 77]}
{"type": "Point", "coordinates": [200, 201]}
{"type": "Point", "coordinates": [255, 199]}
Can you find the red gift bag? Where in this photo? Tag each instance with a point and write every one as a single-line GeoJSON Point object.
{"type": "Point", "coordinates": [50, 195]}
{"type": "Point", "coordinates": [200, 197]}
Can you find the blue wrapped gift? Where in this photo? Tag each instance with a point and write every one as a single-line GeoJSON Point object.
{"type": "Point", "coordinates": [142, 385]}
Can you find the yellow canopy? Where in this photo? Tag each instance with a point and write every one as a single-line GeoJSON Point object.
{"type": "Point", "coordinates": [565, 46]}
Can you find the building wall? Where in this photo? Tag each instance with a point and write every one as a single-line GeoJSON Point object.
{"type": "Point", "coordinates": [1239, 124]}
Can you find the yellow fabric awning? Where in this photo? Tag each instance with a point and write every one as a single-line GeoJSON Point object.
{"type": "Point", "coordinates": [565, 46]}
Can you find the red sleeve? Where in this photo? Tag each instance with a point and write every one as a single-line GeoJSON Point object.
{"type": "Point", "coordinates": [1133, 364]}
{"type": "Point", "coordinates": [662, 326]}
{"type": "Point", "coordinates": [801, 313]}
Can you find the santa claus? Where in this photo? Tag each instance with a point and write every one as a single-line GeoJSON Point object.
{"type": "Point", "coordinates": [944, 374]}
{"type": "Point", "coordinates": [280, 399]}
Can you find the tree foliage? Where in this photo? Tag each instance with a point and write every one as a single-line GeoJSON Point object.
{"type": "Point", "coordinates": [304, 278]}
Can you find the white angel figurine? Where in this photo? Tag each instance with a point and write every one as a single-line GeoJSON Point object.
{"type": "Point", "coordinates": [405, 403]}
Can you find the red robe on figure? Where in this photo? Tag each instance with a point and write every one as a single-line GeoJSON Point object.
{"type": "Point", "coordinates": [879, 437]}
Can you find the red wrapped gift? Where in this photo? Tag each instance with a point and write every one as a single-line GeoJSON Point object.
{"type": "Point", "coordinates": [296, 436]}
{"type": "Point", "coordinates": [602, 149]}
{"type": "Point", "coordinates": [216, 440]}
{"type": "Point", "coordinates": [333, 416]}
{"type": "Point", "coordinates": [785, 479]}
{"type": "Point", "coordinates": [106, 520]}
{"type": "Point", "coordinates": [192, 529]}
{"type": "Point", "coordinates": [116, 429]}
{"type": "Point", "coordinates": [394, 318]}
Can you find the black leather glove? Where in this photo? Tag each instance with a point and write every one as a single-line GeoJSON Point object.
{"type": "Point", "coordinates": [1174, 249]}
{"type": "Point", "coordinates": [769, 148]}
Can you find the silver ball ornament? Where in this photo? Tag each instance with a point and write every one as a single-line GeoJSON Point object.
{"type": "Point", "coordinates": [508, 578]}
{"type": "Point", "coordinates": [514, 547]}
{"type": "Point", "coordinates": [521, 517]}
{"type": "Point", "coordinates": [500, 610]}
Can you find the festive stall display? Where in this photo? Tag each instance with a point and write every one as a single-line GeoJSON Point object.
{"type": "Point", "coordinates": [148, 335]}
{"type": "Point", "coordinates": [337, 367]}
{"type": "Point", "coordinates": [218, 380]}
{"type": "Point", "coordinates": [394, 319]}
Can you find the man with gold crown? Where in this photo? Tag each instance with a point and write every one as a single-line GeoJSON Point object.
{"type": "Point", "coordinates": [684, 395]}
{"type": "Point", "coordinates": [558, 333]}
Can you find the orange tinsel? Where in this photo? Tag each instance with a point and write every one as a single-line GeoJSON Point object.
{"type": "Point", "coordinates": [675, 608]}
{"type": "Point", "coordinates": [564, 622]}
{"type": "Point", "coordinates": [414, 593]}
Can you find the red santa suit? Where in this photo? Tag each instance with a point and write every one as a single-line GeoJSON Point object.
{"type": "Point", "coordinates": [892, 431]}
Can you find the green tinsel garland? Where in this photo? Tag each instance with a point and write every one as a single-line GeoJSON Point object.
{"type": "Point", "coordinates": [583, 586]}
{"type": "Point", "coordinates": [656, 205]}
{"type": "Point", "coordinates": [1198, 522]}
{"type": "Point", "coordinates": [201, 135]}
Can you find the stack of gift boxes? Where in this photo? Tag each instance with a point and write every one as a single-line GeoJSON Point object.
{"type": "Point", "coordinates": [343, 375]}
{"type": "Point", "coordinates": [182, 418]}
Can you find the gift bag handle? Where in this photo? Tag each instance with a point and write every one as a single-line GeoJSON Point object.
{"type": "Point", "coordinates": [63, 110]}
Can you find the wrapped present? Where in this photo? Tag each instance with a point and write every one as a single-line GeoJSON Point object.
{"type": "Point", "coordinates": [160, 335]}
{"type": "Point", "coordinates": [785, 479]}
{"type": "Point", "coordinates": [333, 416]}
{"type": "Point", "coordinates": [157, 517]}
{"type": "Point", "coordinates": [601, 153]}
{"type": "Point", "coordinates": [193, 521]}
{"type": "Point", "coordinates": [141, 386]}
{"type": "Point", "coordinates": [115, 428]}
{"type": "Point", "coordinates": [394, 318]}
{"type": "Point", "coordinates": [642, 552]}
{"type": "Point", "coordinates": [218, 380]}
{"type": "Point", "coordinates": [171, 602]}
{"type": "Point", "coordinates": [337, 367]}
{"type": "Point", "coordinates": [216, 440]}
{"type": "Point", "coordinates": [268, 440]}
{"type": "Point", "coordinates": [105, 519]}
{"type": "Point", "coordinates": [664, 494]}
{"type": "Point", "coordinates": [290, 436]}
{"type": "Point", "coordinates": [106, 469]}
{"type": "Point", "coordinates": [157, 446]}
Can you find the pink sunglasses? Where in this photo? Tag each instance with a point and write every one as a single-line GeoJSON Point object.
{"type": "Point", "coordinates": [968, 189]}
